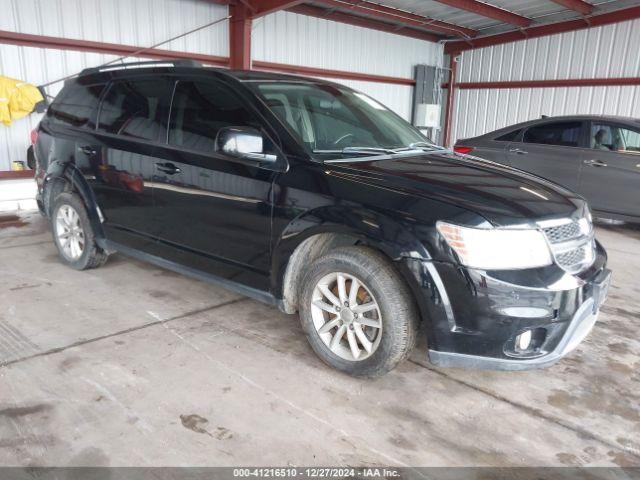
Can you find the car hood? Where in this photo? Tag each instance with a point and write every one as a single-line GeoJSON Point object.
{"type": "Point", "coordinates": [502, 195]}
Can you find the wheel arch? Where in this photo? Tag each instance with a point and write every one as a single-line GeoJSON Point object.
{"type": "Point", "coordinates": [316, 232]}
{"type": "Point", "coordinates": [66, 177]}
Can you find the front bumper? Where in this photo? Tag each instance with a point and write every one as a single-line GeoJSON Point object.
{"type": "Point", "coordinates": [579, 327]}
{"type": "Point", "coordinates": [474, 317]}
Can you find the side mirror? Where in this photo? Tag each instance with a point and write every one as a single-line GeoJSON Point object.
{"type": "Point", "coordinates": [243, 142]}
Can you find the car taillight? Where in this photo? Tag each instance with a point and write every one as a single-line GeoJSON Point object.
{"type": "Point", "coordinates": [34, 136]}
{"type": "Point", "coordinates": [463, 150]}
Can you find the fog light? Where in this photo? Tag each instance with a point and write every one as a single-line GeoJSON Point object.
{"type": "Point", "coordinates": [524, 340]}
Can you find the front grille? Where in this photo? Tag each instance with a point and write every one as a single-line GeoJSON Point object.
{"type": "Point", "coordinates": [573, 247]}
{"type": "Point", "coordinates": [572, 257]}
{"type": "Point", "coordinates": [562, 233]}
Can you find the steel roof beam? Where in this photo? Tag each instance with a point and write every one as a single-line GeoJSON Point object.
{"type": "Point", "coordinates": [350, 19]}
{"type": "Point", "coordinates": [402, 17]}
{"type": "Point", "coordinates": [542, 30]}
{"type": "Point", "coordinates": [489, 11]}
{"type": "Point", "coordinates": [583, 8]}
{"type": "Point", "coordinates": [265, 7]}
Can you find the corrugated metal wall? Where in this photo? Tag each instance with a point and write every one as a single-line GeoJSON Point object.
{"type": "Point", "coordinates": [129, 22]}
{"type": "Point", "coordinates": [294, 39]}
{"type": "Point", "coordinates": [37, 66]}
{"type": "Point", "coordinates": [281, 37]}
{"type": "Point", "coordinates": [603, 52]}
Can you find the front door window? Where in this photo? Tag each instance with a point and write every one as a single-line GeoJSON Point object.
{"type": "Point", "coordinates": [612, 138]}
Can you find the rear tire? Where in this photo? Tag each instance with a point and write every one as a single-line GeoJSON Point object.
{"type": "Point", "coordinates": [376, 325]}
{"type": "Point", "coordinates": [73, 235]}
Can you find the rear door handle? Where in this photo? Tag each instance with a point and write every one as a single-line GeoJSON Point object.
{"type": "Point", "coordinates": [168, 168]}
{"type": "Point", "coordinates": [594, 163]}
{"type": "Point", "coordinates": [87, 150]}
{"type": "Point", "coordinates": [518, 151]}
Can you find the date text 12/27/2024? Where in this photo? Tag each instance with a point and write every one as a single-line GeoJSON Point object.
{"type": "Point", "coordinates": [317, 472]}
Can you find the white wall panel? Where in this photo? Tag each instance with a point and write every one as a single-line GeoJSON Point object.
{"type": "Point", "coordinates": [294, 39]}
{"type": "Point", "coordinates": [285, 37]}
{"type": "Point", "coordinates": [604, 52]}
{"type": "Point", "coordinates": [601, 52]}
{"type": "Point", "coordinates": [481, 111]}
{"type": "Point", "coordinates": [130, 22]}
{"type": "Point", "coordinates": [282, 37]}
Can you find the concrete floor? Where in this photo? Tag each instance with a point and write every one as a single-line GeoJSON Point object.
{"type": "Point", "coordinates": [133, 365]}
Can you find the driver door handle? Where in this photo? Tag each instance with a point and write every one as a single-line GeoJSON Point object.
{"type": "Point", "coordinates": [168, 168]}
{"type": "Point", "coordinates": [594, 163]}
{"type": "Point", "coordinates": [518, 151]}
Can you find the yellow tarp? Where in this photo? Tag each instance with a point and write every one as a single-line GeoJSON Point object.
{"type": "Point", "coordinates": [17, 99]}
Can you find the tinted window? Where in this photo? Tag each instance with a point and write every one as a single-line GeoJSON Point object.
{"type": "Point", "coordinates": [200, 110]}
{"type": "Point", "coordinates": [137, 108]}
{"type": "Point", "coordinates": [75, 105]}
{"type": "Point", "coordinates": [566, 134]}
{"type": "Point", "coordinates": [508, 137]}
{"type": "Point", "coordinates": [614, 138]}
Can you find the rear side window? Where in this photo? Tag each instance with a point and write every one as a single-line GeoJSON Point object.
{"type": "Point", "coordinates": [200, 110]}
{"type": "Point", "coordinates": [137, 109]}
{"type": "Point", "coordinates": [509, 137]}
{"type": "Point", "coordinates": [76, 105]}
{"type": "Point", "coordinates": [566, 134]}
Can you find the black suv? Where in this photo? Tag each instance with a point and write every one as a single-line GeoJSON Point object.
{"type": "Point", "coordinates": [313, 197]}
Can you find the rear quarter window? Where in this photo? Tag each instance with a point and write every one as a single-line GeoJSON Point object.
{"type": "Point", "coordinates": [76, 105]}
{"type": "Point", "coordinates": [508, 137]}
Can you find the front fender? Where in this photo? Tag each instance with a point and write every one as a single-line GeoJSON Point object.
{"type": "Point", "coordinates": [372, 228]}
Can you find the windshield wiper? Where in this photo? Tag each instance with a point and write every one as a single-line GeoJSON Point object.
{"type": "Point", "coordinates": [365, 150]}
{"type": "Point", "coordinates": [358, 150]}
{"type": "Point", "coordinates": [425, 146]}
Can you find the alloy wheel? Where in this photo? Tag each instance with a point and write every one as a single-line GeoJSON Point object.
{"type": "Point", "coordinates": [346, 316]}
{"type": "Point", "coordinates": [69, 232]}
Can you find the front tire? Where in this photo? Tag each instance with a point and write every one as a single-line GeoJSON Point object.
{"type": "Point", "coordinates": [357, 312]}
{"type": "Point", "coordinates": [73, 235]}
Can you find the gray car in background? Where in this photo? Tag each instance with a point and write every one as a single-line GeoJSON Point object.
{"type": "Point", "coordinates": [596, 156]}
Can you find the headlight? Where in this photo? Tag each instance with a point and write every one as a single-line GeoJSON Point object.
{"type": "Point", "coordinates": [496, 248]}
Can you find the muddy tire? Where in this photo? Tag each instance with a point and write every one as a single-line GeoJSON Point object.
{"type": "Point", "coordinates": [73, 235]}
{"type": "Point", "coordinates": [357, 312]}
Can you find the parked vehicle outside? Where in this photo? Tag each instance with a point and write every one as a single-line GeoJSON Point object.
{"type": "Point", "coordinates": [311, 196]}
{"type": "Point", "coordinates": [595, 156]}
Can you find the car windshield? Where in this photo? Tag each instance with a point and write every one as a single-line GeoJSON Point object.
{"type": "Point", "coordinates": [337, 122]}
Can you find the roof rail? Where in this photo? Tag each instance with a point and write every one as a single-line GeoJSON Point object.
{"type": "Point", "coordinates": [150, 63]}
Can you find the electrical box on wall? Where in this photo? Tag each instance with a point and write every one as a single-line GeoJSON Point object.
{"type": "Point", "coordinates": [427, 115]}
{"type": "Point", "coordinates": [427, 100]}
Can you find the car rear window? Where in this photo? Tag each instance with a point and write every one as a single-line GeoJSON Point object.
{"type": "Point", "coordinates": [75, 105]}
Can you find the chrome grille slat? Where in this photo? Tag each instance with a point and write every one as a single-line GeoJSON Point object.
{"type": "Point", "coordinates": [562, 233]}
{"type": "Point", "coordinates": [571, 257]}
{"type": "Point", "coordinates": [573, 249]}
